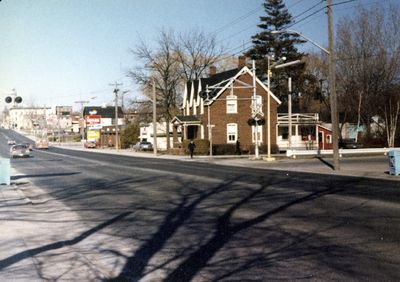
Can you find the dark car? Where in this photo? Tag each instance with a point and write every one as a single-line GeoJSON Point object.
{"type": "Point", "coordinates": [349, 143]}
{"type": "Point", "coordinates": [142, 146]}
{"type": "Point", "coordinates": [29, 146]}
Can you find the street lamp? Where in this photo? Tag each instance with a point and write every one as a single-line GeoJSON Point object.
{"type": "Point", "coordinates": [277, 65]}
{"type": "Point", "coordinates": [332, 82]}
{"type": "Point", "coordinates": [301, 35]}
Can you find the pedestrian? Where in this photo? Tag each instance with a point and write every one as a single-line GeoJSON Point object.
{"type": "Point", "coordinates": [238, 151]}
{"type": "Point", "coordinates": [191, 148]}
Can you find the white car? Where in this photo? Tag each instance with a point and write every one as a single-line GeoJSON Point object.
{"type": "Point", "coordinates": [142, 146]}
{"type": "Point", "coordinates": [19, 150]}
{"type": "Point", "coordinates": [11, 142]}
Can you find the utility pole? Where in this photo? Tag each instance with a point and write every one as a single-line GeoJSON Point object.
{"type": "Point", "coordinates": [155, 118]}
{"type": "Point", "coordinates": [290, 111]}
{"type": "Point", "coordinates": [116, 90]}
{"type": "Point", "coordinates": [332, 90]}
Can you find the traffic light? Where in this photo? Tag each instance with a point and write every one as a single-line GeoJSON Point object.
{"type": "Point", "coordinates": [17, 99]}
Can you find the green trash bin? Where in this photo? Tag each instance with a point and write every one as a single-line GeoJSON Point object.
{"type": "Point", "coordinates": [394, 162]}
{"type": "Point", "coordinates": [5, 171]}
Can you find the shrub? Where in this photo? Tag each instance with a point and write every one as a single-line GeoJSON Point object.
{"type": "Point", "coordinates": [129, 135]}
{"type": "Point", "coordinates": [224, 149]}
{"type": "Point", "coordinates": [263, 149]}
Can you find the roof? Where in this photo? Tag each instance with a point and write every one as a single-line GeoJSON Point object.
{"type": "Point", "coordinates": [104, 112]}
{"type": "Point", "coordinates": [226, 78]}
{"type": "Point", "coordinates": [186, 120]}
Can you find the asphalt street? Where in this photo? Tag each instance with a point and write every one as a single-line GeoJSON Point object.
{"type": "Point", "coordinates": [84, 216]}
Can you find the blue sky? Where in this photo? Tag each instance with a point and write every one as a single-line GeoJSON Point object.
{"type": "Point", "coordinates": [57, 52]}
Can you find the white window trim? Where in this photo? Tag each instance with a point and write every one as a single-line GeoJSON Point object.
{"type": "Point", "coordinates": [228, 132]}
{"type": "Point", "coordinates": [231, 99]}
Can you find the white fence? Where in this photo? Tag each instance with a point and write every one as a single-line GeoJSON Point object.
{"type": "Point", "coordinates": [342, 152]}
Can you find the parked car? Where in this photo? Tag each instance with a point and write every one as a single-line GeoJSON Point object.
{"type": "Point", "coordinates": [42, 144]}
{"type": "Point", "coordinates": [349, 143]}
{"type": "Point", "coordinates": [90, 144]}
{"type": "Point", "coordinates": [19, 150]}
{"type": "Point", "coordinates": [11, 142]}
{"type": "Point", "coordinates": [142, 146]}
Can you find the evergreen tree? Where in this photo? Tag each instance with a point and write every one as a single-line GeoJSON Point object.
{"type": "Point", "coordinates": [276, 46]}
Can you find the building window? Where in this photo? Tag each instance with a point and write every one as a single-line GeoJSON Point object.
{"type": "Point", "coordinates": [231, 104]}
{"type": "Point", "coordinates": [284, 132]}
{"type": "Point", "coordinates": [231, 132]}
{"type": "Point", "coordinates": [328, 139]}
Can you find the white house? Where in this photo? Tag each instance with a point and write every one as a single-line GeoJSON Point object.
{"type": "Point", "coordinates": [146, 134]}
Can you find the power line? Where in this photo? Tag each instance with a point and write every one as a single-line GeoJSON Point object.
{"type": "Point", "coordinates": [241, 18]}
{"type": "Point", "coordinates": [343, 2]}
{"type": "Point", "coordinates": [235, 21]}
{"type": "Point", "coordinates": [309, 9]}
{"type": "Point", "coordinates": [310, 15]}
{"type": "Point", "coordinates": [241, 47]}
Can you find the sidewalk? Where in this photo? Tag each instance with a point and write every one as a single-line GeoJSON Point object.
{"type": "Point", "coordinates": [13, 245]}
{"type": "Point", "coordinates": [373, 166]}
{"type": "Point", "coordinates": [44, 240]}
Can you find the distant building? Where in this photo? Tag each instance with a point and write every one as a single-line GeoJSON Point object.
{"type": "Point", "coordinates": [100, 124]}
{"type": "Point", "coordinates": [28, 118]}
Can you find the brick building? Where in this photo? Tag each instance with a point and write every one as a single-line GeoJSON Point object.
{"type": "Point", "coordinates": [221, 105]}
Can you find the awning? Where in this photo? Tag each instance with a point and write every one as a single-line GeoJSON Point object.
{"type": "Point", "coordinates": [186, 120]}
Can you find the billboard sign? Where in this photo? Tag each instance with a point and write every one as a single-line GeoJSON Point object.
{"type": "Point", "coordinates": [93, 135]}
{"type": "Point", "coordinates": [93, 122]}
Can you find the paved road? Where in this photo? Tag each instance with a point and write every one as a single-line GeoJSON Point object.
{"type": "Point", "coordinates": [107, 217]}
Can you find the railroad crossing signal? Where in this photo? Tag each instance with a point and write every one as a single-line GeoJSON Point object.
{"type": "Point", "coordinates": [17, 99]}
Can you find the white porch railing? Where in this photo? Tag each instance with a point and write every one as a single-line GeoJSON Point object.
{"type": "Point", "coordinates": [295, 153]}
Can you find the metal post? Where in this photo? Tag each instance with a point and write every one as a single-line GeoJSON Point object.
{"type": "Point", "coordinates": [269, 158]}
{"type": "Point", "coordinates": [209, 127]}
{"type": "Point", "coordinates": [290, 111]}
{"type": "Point", "coordinates": [255, 109]}
{"type": "Point", "coordinates": [155, 119]}
{"type": "Point", "coordinates": [59, 126]}
{"type": "Point", "coordinates": [116, 119]}
{"type": "Point", "coordinates": [332, 88]}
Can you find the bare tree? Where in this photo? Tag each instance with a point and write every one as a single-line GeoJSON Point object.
{"type": "Point", "coordinates": [161, 67]}
{"type": "Point", "coordinates": [196, 52]}
{"type": "Point", "coordinates": [173, 61]}
{"type": "Point", "coordinates": [368, 65]}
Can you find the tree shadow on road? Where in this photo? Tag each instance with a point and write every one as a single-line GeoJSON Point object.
{"type": "Point", "coordinates": [60, 244]}
{"type": "Point", "coordinates": [194, 259]}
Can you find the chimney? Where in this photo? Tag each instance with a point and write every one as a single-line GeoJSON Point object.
{"type": "Point", "coordinates": [212, 70]}
{"type": "Point", "coordinates": [241, 61]}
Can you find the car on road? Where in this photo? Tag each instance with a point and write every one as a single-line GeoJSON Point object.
{"type": "Point", "coordinates": [90, 144]}
{"type": "Point", "coordinates": [29, 146]}
{"type": "Point", "coordinates": [19, 150]}
{"type": "Point", "coordinates": [11, 142]}
{"type": "Point", "coordinates": [349, 143]}
{"type": "Point", "coordinates": [142, 146]}
{"type": "Point", "coordinates": [42, 144]}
